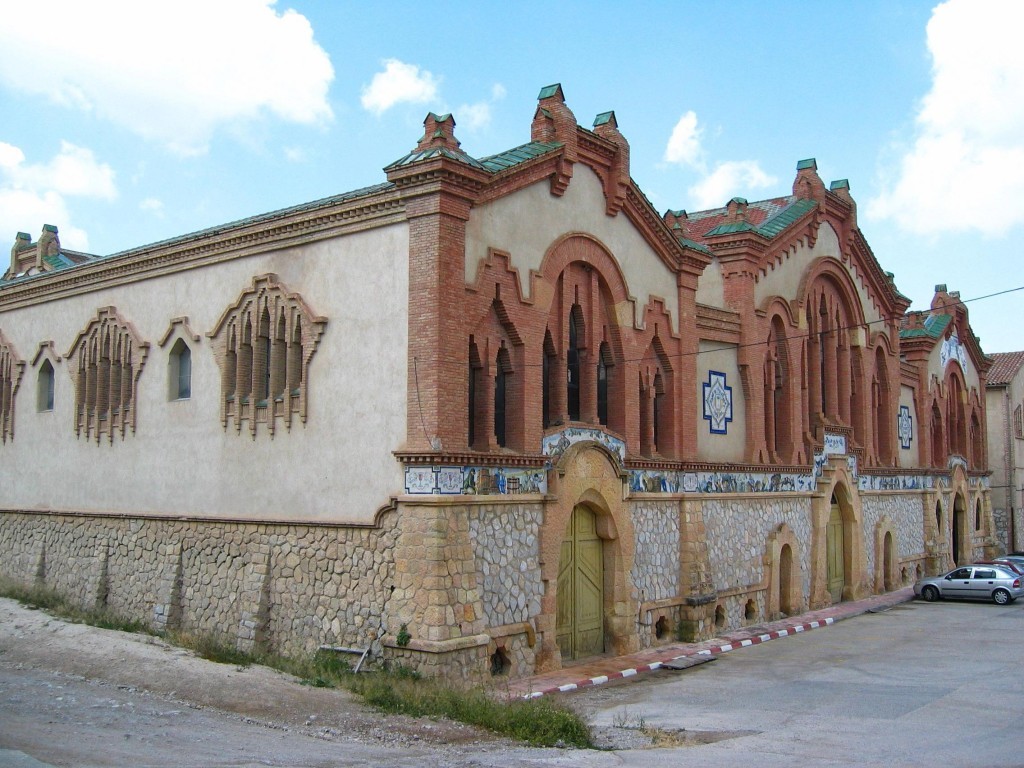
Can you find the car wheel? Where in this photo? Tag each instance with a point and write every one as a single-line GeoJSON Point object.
{"type": "Point", "coordinates": [1001, 597]}
{"type": "Point", "coordinates": [930, 593]}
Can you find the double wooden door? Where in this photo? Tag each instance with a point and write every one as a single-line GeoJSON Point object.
{"type": "Point", "coordinates": [580, 622]}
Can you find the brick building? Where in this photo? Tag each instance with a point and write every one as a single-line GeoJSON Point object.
{"type": "Point", "coordinates": [491, 414]}
{"type": "Point", "coordinates": [1004, 397]}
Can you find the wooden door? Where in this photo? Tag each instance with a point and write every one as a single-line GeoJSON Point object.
{"type": "Point", "coordinates": [580, 620]}
{"type": "Point", "coordinates": [834, 554]}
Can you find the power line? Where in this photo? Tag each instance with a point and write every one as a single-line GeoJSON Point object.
{"type": "Point", "coordinates": [446, 360]}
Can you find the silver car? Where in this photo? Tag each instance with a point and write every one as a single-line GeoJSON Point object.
{"type": "Point", "coordinates": [977, 582]}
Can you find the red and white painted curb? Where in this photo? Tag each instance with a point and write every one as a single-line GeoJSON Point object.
{"type": "Point", "coordinates": [712, 651]}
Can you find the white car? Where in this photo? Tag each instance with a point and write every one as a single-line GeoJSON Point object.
{"type": "Point", "coordinates": [975, 582]}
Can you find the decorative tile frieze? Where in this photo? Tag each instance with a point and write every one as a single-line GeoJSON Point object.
{"type": "Point", "coordinates": [557, 443]}
{"type": "Point", "coordinates": [474, 480]}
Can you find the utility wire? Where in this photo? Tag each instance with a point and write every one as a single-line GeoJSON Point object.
{"type": "Point", "coordinates": [447, 360]}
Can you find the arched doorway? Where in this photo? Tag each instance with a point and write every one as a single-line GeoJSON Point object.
{"type": "Point", "coordinates": [786, 605]}
{"type": "Point", "coordinates": [579, 626]}
{"type": "Point", "coordinates": [888, 567]}
{"type": "Point", "coordinates": [959, 541]}
{"type": "Point", "coordinates": [835, 558]}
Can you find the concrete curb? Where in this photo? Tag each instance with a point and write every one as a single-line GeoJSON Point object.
{"type": "Point", "coordinates": [713, 650]}
{"type": "Point", "coordinates": [842, 611]}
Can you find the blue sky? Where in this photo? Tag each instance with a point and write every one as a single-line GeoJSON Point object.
{"type": "Point", "coordinates": [124, 123]}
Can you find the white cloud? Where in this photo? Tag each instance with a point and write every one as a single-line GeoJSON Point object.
{"type": "Point", "coordinates": [173, 72]}
{"type": "Point", "coordinates": [34, 194]}
{"type": "Point", "coordinates": [152, 205]}
{"type": "Point", "coordinates": [684, 144]}
{"type": "Point", "coordinates": [473, 117]}
{"type": "Point", "coordinates": [729, 179]}
{"type": "Point", "coordinates": [398, 83]}
{"type": "Point", "coordinates": [965, 167]}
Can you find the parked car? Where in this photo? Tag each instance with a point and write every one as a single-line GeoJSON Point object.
{"type": "Point", "coordinates": [977, 582]}
{"type": "Point", "coordinates": [1005, 562]}
{"type": "Point", "coordinates": [1016, 559]}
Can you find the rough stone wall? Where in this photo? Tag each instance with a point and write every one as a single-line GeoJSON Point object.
{"type": "Point", "coordinates": [656, 564]}
{"type": "Point", "coordinates": [738, 530]}
{"type": "Point", "coordinates": [907, 514]}
{"type": "Point", "coordinates": [287, 587]}
{"type": "Point", "coordinates": [1001, 519]}
{"type": "Point", "coordinates": [506, 546]}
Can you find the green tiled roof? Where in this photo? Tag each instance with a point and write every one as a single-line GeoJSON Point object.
{"type": "Point", "coordinates": [773, 226]}
{"type": "Point", "coordinates": [731, 228]}
{"type": "Point", "coordinates": [934, 326]}
{"type": "Point", "coordinates": [770, 227]}
{"type": "Point", "coordinates": [521, 154]}
{"type": "Point", "coordinates": [432, 152]}
{"type": "Point", "coordinates": [693, 244]}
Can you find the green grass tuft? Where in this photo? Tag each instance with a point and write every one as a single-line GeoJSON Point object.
{"type": "Point", "coordinates": [398, 690]}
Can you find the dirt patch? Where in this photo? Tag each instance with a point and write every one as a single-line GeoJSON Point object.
{"type": "Point", "coordinates": [35, 640]}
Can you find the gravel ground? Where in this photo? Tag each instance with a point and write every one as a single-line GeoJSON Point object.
{"type": "Point", "coordinates": [80, 696]}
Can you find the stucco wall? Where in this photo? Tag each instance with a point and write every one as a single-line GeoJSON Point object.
{"type": "Point", "coordinates": [181, 461]}
{"type": "Point", "coordinates": [728, 447]}
{"type": "Point", "coordinates": [526, 223]}
{"type": "Point", "coordinates": [711, 285]}
{"type": "Point", "coordinates": [784, 280]}
{"type": "Point", "coordinates": [909, 457]}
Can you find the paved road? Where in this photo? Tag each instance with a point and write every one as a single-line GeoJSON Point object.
{"type": "Point", "coordinates": [919, 685]}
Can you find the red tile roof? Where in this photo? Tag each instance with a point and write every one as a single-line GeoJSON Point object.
{"type": "Point", "coordinates": [1005, 367]}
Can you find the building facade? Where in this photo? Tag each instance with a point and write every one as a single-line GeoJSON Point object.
{"type": "Point", "coordinates": [490, 415]}
{"type": "Point", "coordinates": [1004, 397]}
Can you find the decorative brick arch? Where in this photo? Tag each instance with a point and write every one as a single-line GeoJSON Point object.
{"type": "Point", "coordinates": [833, 314]}
{"type": "Point", "coordinates": [105, 362]}
{"type": "Point", "coordinates": [588, 474]}
{"type": "Point", "coordinates": [263, 344]}
{"type": "Point", "coordinates": [887, 569]}
{"type": "Point", "coordinates": [838, 481]}
{"type": "Point", "coordinates": [785, 586]}
{"type": "Point", "coordinates": [579, 246]}
{"type": "Point", "coordinates": [11, 369]}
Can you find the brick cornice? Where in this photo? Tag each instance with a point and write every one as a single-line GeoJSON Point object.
{"type": "Point", "coordinates": [438, 176]}
{"type": "Point", "coordinates": [249, 238]}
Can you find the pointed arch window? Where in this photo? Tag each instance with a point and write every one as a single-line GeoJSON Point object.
{"type": "Point", "coordinates": [777, 426]}
{"type": "Point", "coordinates": [604, 363]}
{"type": "Point", "coordinates": [474, 386]}
{"type": "Point", "coordinates": [938, 445]}
{"type": "Point", "coordinates": [264, 343]}
{"type": "Point", "coordinates": [573, 362]}
{"type": "Point", "coordinates": [549, 384]}
{"type": "Point", "coordinates": [179, 372]}
{"type": "Point", "coordinates": [502, 374]}
{"type": "Point", "coordinates": [45, 387]}
{"type": "Point", "coordinates": [108, 355]}
{"type": "Point", "coordinates": [977, 442]}
{"type": "Point", "coordinates": [658, 414]}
